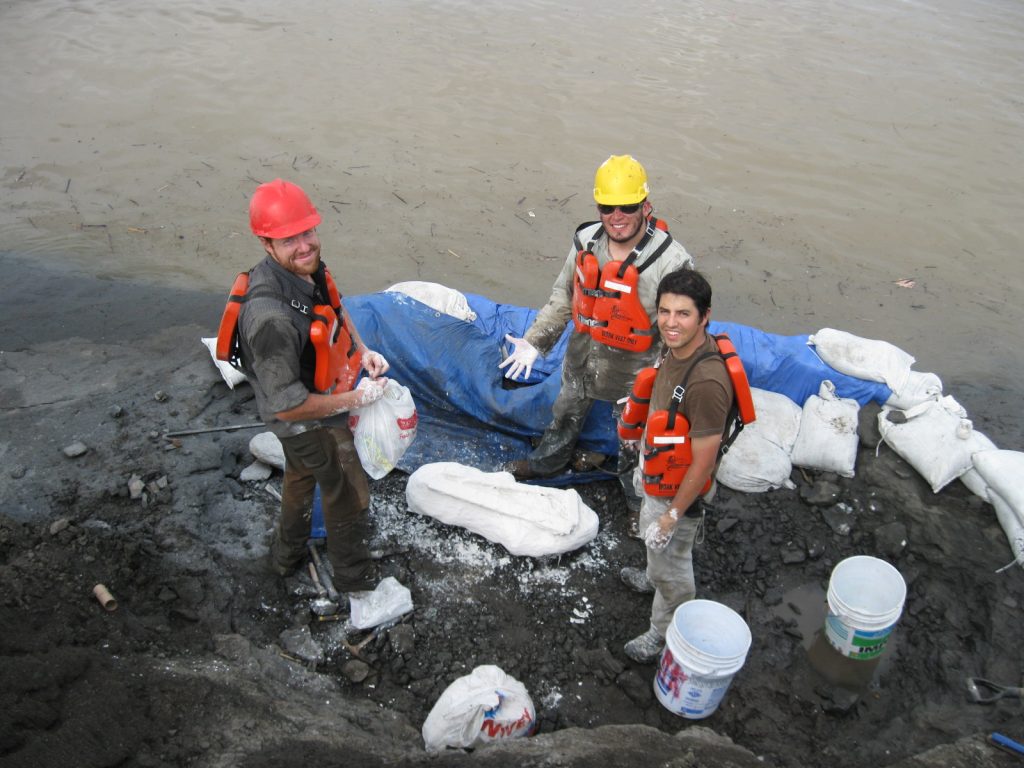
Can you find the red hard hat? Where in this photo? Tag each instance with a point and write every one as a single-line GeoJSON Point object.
{"type": "Point", "coordinates": [281, 209]}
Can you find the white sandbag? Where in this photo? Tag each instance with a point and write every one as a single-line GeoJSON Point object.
{"type": "Point", "coordinates": [384, 430]}
{"type": "Point", "coordinates": [863, 358]}
{"type": "Point", "coordinates": [231, 375]}
{"type": "Point", "coordinates": [525, 519]}
{"type": "Point", "coordinates": [755, 464]}
{"type": "Point", "coordinates": [778, 419]}
{"type": "Point", "coordinates": [1012, 526]}
{"type": "Point", "coordinates": [485, 705]}
{"type": "Point", "coordinates": [972, 477]}
{"type": "Point", "coordinates": [1002, 472]}
{"type": "Point", "coordinates": [388, 601]}
{"type": "Point", "coordinates": [267, 448]}
{"type": "Point", "coordinates": [919, 387]}
{"type": "Point", "coordinates": [828, 433]}
{"type": "Point", "coordinates": [936, 438]}
{"type": "Point", "coordinates": [437, 297]}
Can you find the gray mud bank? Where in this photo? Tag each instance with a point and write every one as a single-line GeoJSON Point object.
{"type": "Point", "coordinates": [198, 664]}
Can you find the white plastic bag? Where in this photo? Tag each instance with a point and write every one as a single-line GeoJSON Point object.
{"type": "Point", "coordinates": [828, 433]}
{"type": "Point", "coordinates": [936, 438]}
{"type": "Point", "coordinates": [863, 358]}
{"type": "Point", "coordinates": [388, 601]}
{"type": "Point", "coordinates": [231, 375]}
{"type": "Point", "coordinates": [485, 705]}
{"type": "Point", "coordinates": [384, 430]}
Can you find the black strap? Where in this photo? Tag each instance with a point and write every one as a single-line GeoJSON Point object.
{"type": "Point", "coordinates": [635, 253]}
{"type": "Point", "coordinates": [680, 391]}
{"type": "Point", "coordinates": [654, 256]}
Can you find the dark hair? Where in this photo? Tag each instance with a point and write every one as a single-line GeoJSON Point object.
{"type": "Point", "coordinates": [687, 282]}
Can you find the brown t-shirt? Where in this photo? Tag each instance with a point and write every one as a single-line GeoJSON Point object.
{"type": "Point", "coordinates": [709, 391]}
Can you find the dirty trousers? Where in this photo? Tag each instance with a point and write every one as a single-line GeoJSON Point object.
{"type": "Point", "coordinates": [554, 451]}
{"type": "Point", "coordinates": [326, 456]}
{"type": "Point", "coordinates": [671, 570]}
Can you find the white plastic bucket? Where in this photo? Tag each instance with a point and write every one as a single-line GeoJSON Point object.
{"type": "Point", "coordinates": [865, 600]}
{"type": "Point", "coordinates": [705, 646]}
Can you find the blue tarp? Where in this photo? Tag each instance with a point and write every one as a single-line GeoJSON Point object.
{"type": "Point", "coordinates": [471, 414]}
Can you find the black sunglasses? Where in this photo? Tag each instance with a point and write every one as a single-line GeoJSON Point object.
{"type": "Point", "coordinates": [627, 209]}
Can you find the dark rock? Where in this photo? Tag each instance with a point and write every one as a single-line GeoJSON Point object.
{"type": "Point", "coordinates": [839, 518]}
{"type": "Point", "coordinates": [891, 540]}
{"type": "Point", "coordinates": [637, 688]}
{"type": "Point", "coordinates": [820, 493]}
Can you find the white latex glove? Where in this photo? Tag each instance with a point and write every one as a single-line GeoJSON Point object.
{"type": "Point", "coordinates": [375, 364]}
{"type": "Point", "coordinates": [369, 392]}
{"type": "Point", "coordinates": [523, 356]}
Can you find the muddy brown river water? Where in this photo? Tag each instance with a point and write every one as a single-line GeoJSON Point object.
{"type": "Point", "coordinates": [810, 155]}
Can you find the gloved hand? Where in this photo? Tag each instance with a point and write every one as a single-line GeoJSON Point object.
{"type": "Point", "coordinates": [659, 533]}
{"type": "Point", "coordinates": [375, 364]}
{"type": "Point", "coordinates": [523, 356]}
{"type": "Point", "coordinates": [369, 392]}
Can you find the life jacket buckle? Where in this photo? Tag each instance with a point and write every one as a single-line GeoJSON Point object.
{"type": "Point", "coordinates": [678, 393]}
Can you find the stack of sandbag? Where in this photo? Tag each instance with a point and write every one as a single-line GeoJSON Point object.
{"type": "Point", "coordinates": [525, 519]}
{"type": "Point", "coordinates": [827, 439]}
{"type": "Point", "coordinates": [874, 360]}
{"type": "Point", "coordinates": [438, 297]}
{"type": "Point", "coordinates": [759, 458]}
{"type": "Point", "coordinates": [935, 437]}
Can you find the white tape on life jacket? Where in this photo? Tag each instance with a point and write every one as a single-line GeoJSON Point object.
{"type": "Point", "coordinates": [615, 286]}
{"type": "Point", "coordinates": [670, 440]}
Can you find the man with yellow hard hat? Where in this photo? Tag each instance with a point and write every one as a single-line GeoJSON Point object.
{"type": "Point", "coordinates": [606, 289]}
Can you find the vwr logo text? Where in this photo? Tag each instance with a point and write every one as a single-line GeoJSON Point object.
{"type": "Point", "coordinates": [496, 730]}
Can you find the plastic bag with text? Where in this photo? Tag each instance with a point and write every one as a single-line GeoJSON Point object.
{"type": "Point", "coordinates": [485, 705]}
{"type": "Point", "coordinates": [384, 430]}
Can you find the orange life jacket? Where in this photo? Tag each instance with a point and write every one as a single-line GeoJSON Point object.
{"type": "Point", "coordinates": [606, 301]}
{"type": "Point", "coordinates": [667, 448]}
{"type": "Point", "coordinates": [337, 361]}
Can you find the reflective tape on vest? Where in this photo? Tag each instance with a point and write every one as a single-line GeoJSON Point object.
{"type": "Point", "coordinates": [620, 287]}
{"type": "Point", "coordinates": [668, 439]}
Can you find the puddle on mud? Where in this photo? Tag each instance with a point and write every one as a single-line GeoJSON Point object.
{"type": "Point", "coordinates": [806, 604]}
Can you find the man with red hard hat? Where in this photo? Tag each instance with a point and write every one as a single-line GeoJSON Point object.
{"type": "Point", "coordinates": [302, 353]}
{"type": "Point", "coordinates": [606, 289]}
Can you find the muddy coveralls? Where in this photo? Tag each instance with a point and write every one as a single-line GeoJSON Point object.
{"type": "Point", "coordinates": [278, 356]}
{"type": "Point", "coordinates": [591, 370]}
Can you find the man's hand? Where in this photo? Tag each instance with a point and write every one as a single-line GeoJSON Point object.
{"type": "Point", "coordinates": [375, 364]}
{"type": "Point", "coordinates": [369, 392]}
{"type": "Point", "coordinates": [523, 356]}
{"type": "Point", "coordinates": [659, 533]}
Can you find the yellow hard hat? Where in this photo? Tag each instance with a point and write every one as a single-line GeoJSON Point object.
{"type": "Point", "coordinates": [620, 180]}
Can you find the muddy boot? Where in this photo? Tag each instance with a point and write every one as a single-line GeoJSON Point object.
{"type": "Point", "coordinates": [583, 461]}
{"type": "Point", "coordinates": [521, 470]}
{"type": "Point", "coordinates": [636, 579]}
{"type": "Point", "coordinates": [645, 648]}
{"type": "Point", "coordinates": [282, 561]}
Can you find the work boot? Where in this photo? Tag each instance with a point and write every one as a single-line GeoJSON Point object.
{"type": "Point", "coordinates": [636, 579]}
{"type": "Point", "coordinates": [521, 470]}
{"type": "Point", "coordinates": [584, 461]}
{"type": "Point", "coordinates": [282, 562]}
{"type": "Point", "coordinates": [645, 648]}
